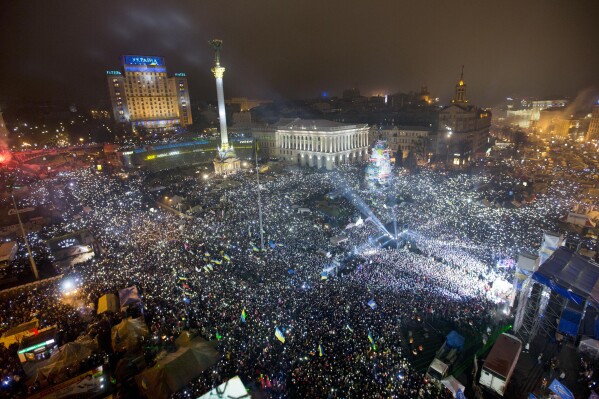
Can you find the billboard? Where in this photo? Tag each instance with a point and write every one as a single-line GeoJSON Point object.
{"type": "Point", "coordinates": [139, 60]}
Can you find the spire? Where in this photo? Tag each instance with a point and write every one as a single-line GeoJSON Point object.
{"type": "Point", "coordinates": [460, 90]}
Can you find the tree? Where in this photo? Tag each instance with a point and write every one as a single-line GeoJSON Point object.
{"type": "Point", "coordinates": [411, 162]}
{"type": "Point", "coordinates": [399, 158]}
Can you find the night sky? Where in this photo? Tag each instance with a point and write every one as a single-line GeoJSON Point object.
{"type": "Point", "coordinates": [283, 49]}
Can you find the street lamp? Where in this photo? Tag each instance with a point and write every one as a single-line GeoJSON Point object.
{"type": "Point", "coordinates": [449, 133]}
{"type": "Point", "coordinates": [31, 261]}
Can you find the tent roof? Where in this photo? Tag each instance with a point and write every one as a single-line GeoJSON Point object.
{"type": "Point", "coordinates": [455, 340]}
{"type": "Point", "coordinates": [30, 325]}
{"type": "Point", "coordinates": [232, 388]}
{"type": "Point", "coordinates": [175, 370]}
{"type": "Point", "coordinates": [570, 275]}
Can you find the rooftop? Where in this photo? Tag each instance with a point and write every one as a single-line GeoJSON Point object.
{"type": "Point", "coordinates": [314, 124]}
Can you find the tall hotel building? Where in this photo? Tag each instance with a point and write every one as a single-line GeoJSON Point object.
{"type": "Point", "coordinates": [144, 96]}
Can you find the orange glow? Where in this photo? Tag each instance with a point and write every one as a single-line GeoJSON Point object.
{"type": "Point", "coordinates": [5, 157]}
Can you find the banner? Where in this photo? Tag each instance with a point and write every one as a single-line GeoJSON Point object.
{"type": "Point", "coordinates": [560, 390]}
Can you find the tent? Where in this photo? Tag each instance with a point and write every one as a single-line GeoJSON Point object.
{"type": "Point", "coordinates": [184, 339]}
{"type": "Point", "coordinates": [455, 340]}
{"type": "Point", "coordinates": [67, 356]}
{"type": "Point", "coordinates": [232, 388]}
{"type": "Point", "coordinates": [127, 334]}
{"type": "Point", "coordinates": [129, 296]}
{"type": "Point", "coordinates": [570, 275]}
{"type": "Point", "coordinates": [175, 370]}
{"type": "Point", "coordinates": [108, 303]}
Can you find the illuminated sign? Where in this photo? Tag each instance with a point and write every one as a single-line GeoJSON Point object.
{"type": "Point", "coordinates": [67, 243]}
{"type": "Point", "coordinates": [180, 75]}
{"type": "Point", "coordinates": [34, 347]}
{"type": "Point", "coordinates": [143, 60]}
{"type": "Point", "coordinates": [113, 73]}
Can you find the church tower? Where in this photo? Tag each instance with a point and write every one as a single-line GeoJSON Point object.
{"type": "Point", "coordinates": [460, 91]}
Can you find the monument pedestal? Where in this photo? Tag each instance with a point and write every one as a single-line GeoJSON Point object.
{"type": "Point", "coordinates": [226, 166]}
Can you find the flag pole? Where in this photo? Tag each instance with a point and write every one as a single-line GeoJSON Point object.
{"type": "Point", "coordinates": [259, 202]}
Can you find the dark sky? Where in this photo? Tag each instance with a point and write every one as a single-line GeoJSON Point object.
{"type": "Point", "coordinates": [288, 49]}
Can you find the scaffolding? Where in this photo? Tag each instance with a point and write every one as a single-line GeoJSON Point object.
{"type": "Point", "coordinates": [539, 311]}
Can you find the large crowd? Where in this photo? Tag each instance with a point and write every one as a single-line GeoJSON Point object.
{"type": "Point", "coordinates": [344, 334]}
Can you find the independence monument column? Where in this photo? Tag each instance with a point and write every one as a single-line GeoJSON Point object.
{"type": "Point", "coordinates": [226, 161]}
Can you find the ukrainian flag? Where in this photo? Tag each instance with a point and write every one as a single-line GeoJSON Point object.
{"type": "Point", "coordinates": [279, 335]}
{"type": "Point", "coordinates": [349, 328]}
{"type": "Point", "coordinates": [370, 338]}
{"type": "Point", "coordinates": [320, 351]}
{"type": "Point", "coordinates": [206, 253]}
{"type": "Point", "coordinates": [227, 258]}
{"type": "Point", "coordinates": [210, 266]}
{"type": "Point", "coordinates": [243, 315]}
{"type": "Point", "coordinates": [255, 248]}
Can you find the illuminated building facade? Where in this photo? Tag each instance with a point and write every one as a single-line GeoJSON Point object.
{"type": "Point", "coordinates": [402, 138]}
{"type": "Point", "coordinates": [3, 130]}
{"type": "Point", "coordinates": [143, 95]}
{"type": "Point", "coordinates": [593, 132]}
{"type": "Point", "coordinates": [463, 129]}
{"type": "Point", "coordinates": [315, 143]}
{"type": "Point", "coordinates": [560, 123]}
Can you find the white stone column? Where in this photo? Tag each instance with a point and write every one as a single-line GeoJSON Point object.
{"type": "Point", "coordinates": [218, 72]}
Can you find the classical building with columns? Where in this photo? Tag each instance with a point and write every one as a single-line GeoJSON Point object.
{"type": "Point", "coordinates": [315, 143]}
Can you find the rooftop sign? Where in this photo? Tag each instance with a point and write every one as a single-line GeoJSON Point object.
{"type": "Point", "coordinates": [143, 60]}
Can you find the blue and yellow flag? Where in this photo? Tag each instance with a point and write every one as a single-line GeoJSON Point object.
{"type": "Point", "coordinates": [349, 328]}
{"type": "Point", "coordinates": [279, 335]}
{"type": "Point", "coordinates": [243, 316]}
{"type": "Point", "coordinates": [227, 258]}
{"type": "Point", "coordinates": [320, 351]}
{"type": "Point", "coordinates": [370, 338]}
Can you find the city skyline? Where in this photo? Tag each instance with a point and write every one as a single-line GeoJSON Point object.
{"type": "Point", "coordinates": [290, 51]}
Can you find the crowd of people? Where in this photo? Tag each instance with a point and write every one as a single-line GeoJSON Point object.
{"type": "Point", "coordinates": [343, 335]}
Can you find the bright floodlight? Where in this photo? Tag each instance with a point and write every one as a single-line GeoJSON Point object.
{"type": "Point", "coordinates": [68, 285]}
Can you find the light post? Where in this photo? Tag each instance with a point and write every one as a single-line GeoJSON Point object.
{"type": "Point", "coordinates": [31, 261]}
{"type": "Point", "coordinates": [449, 133]}
{"type": "Point", "coordinates": [259, 201]}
